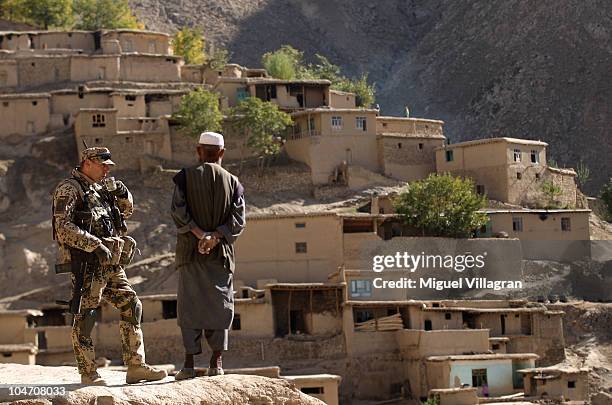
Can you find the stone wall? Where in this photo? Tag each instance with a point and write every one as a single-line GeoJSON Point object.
{"type": "Point", "coordinates": [408, 158]}
{"type": "Point", "coordinates": [87, 67]}
{"type": "Point", "coordinates": [36, 71]}
{"type": "Point", "coordinates": [27, 115]}
{"type": "Point", "coordinates": [149, 68]}
{"type": "Point", "coordinates": [8, 73]}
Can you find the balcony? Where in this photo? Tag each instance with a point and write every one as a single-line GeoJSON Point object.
{"type": "Point", "coordinates": [302, 134]}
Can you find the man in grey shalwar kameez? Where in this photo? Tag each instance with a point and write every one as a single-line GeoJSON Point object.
{"type": "Point", "coordinates": [209, 211]}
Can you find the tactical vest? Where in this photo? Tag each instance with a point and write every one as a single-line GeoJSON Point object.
{"type": "Point", "coordinates": [209, 190]}
{"type": "Point", "coordinates": [93, 210]}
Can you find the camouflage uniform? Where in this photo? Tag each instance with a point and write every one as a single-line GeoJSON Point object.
{"type": "Point", "coordinates": [101, 282]}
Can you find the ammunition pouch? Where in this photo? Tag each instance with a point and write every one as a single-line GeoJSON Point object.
{"type": "Point", "coordinates": [115, 245]}
{"type": "Point", "coordinates": [129, 249]}
{"type": "Point", "coordinates": [122, 249]}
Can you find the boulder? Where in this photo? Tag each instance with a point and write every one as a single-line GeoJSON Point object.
{"type": "Point", "coordinates": [219, 390]}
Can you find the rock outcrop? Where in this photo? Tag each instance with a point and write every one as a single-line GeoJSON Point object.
{"type": "Point", "coordinates": [220, 390]}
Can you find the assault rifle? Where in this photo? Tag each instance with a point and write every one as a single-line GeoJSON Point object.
{"type": "Point", "coordinates": [80, 263]}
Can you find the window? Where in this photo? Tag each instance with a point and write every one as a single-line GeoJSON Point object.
{"type": "Point", "coordinates": [517, 155]}
{"type": "Point", "coordinates": [517, 224]}
{"type": "Point", "coordinates": [361, 288]}
{"type": "Point", "coordinates": [169, 309]}
{"type": "Point", "coordinates": [98, 140]}
{"type": "Point", "coordinates": [420, 146]}
{"type": "Point", "coordinates": [300, 224]}
{"type": "Point", "coordinates": [566, 225]}
{"type": "Point", "coordinates": [271, 91]}
{"type": "Point", "coordinates": [449, 156]}
{"type": "Point", "coordinates": [312, 390]}
{"type": "Point", "coordinates": [128, 139]}
{"type": "Point", "coordinates": [336, 122]}
{"type": "Point", "coordinates": [98, 120]}
{"type": "Point", "coordinates": [5, 104]}
{"type": "Point", "coordinates": [495, 346]}
{"type": "Point", "coordinates": [480, 189]}
{"type": "Point", "coordinates": [301, 247]}
{"type": "Point", "coordinates": [34, 103]}
{"type": "Point", "coordinates": [571, 384]}
{"type": "Point", "coordinates": [42, 339]}
{"type": "Point", "coordinates": [399, 145]}
{"type": "Point", "coordinates": [428, 325]}
{"type": "Point", "coordinates": [236, 322]}
{"type": "Point", "coordinates": [535, 157]}
{"type": "Point", "coordinates": [519, 175]}
{"type": "Point", "coordinates": [479, 377]}
{"type": "Point", "coordinates": [130, 98]}
{"type": "Point", "coordinates": [363, 315]}
{"type": "Point", "coordinates": [537, 176]}
{"type": "Point", "coordinates": [447, 316]}
{"type": "Point", "coordinates": [311, 124]}
{"type": "Point", "coordinates": [360, 123]}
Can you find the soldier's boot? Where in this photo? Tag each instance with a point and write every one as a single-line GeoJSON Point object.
{"type": "Point", "coordinates": [215, 365]}
{"type": "Point", "coordinates": [144, 372]}
{"type": "Point", "coordinates": [92, 379]}
{"type": "Point", "coordinates": [185, 374]}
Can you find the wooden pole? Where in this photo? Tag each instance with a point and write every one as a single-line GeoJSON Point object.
{"type": "Point", "coordinates": [289, 313]}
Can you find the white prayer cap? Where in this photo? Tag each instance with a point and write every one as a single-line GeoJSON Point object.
{"type": "Point", "coordinates": [211, 138]}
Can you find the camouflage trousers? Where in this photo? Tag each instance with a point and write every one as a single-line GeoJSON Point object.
{"type": "Point", "coordinates": [109, 284]}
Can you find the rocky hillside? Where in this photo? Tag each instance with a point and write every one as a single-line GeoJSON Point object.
{"type": "Point", "coordinates": [533, 69]}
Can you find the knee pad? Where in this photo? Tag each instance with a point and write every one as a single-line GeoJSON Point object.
{"type": "Point", "coordinates": [87, 321]}
{"type": "Point", "coordinates": [135, 312]}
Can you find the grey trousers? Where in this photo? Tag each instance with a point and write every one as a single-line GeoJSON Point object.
{"type": "Point", "coordinates": [192, 339]}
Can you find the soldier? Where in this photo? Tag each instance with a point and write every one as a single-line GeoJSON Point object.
{"type": "Point", "coordinates": [208, 209]}
{"type": "Point", "coordinates": [89, 228]}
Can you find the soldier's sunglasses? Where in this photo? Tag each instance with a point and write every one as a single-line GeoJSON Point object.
{"type": "Point", "coordinates": [103, 156]}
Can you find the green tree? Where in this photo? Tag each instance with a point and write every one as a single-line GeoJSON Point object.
{"type": "Point", "coordinates": [199, 112]}
{"type": "Point", "coordinates": [285, 63]}
{"type": "Point", "coordinates": [322, 69]}
{"type": "Point", "coordinates": [551, 192]}
{"type": "Point", "coordinates": [364, 92]}
{"type": "Point", "coordinates": [109, 14]}
{"type": "Point", "coordinates": [606, 196]}
{"type": "Point", "coordinates": [442, 205]}
{"type": "Point", "coordinates": [51, 13]}
{"type": "Point", "coordinates": [583, 174]}
{"type": "Point", "coordinates": [263, 123]}
{"type": "Point", "coordinates": [42, 13]}
{"type": "Point", "coordinates": [189, 43]}
{"type": "Point", "coordinates": [218, 58]}
{"type": "Point", "coordinates": [15, 10]}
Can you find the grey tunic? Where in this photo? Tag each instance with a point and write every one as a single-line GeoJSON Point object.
{"type": "Point", "coordinates": [211, 198]}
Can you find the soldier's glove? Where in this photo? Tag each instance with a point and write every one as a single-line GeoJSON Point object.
{"type": "Point", "coordinates": [121, 190]}
{"type": "Point", "coordinates": [104, 255]}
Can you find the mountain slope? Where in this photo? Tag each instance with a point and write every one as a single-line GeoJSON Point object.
{"type": "Point", "coordinates": [531, 69]}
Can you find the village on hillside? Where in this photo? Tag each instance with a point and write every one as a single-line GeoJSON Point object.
{"type": "Point", "coordinates": [306, 296]}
